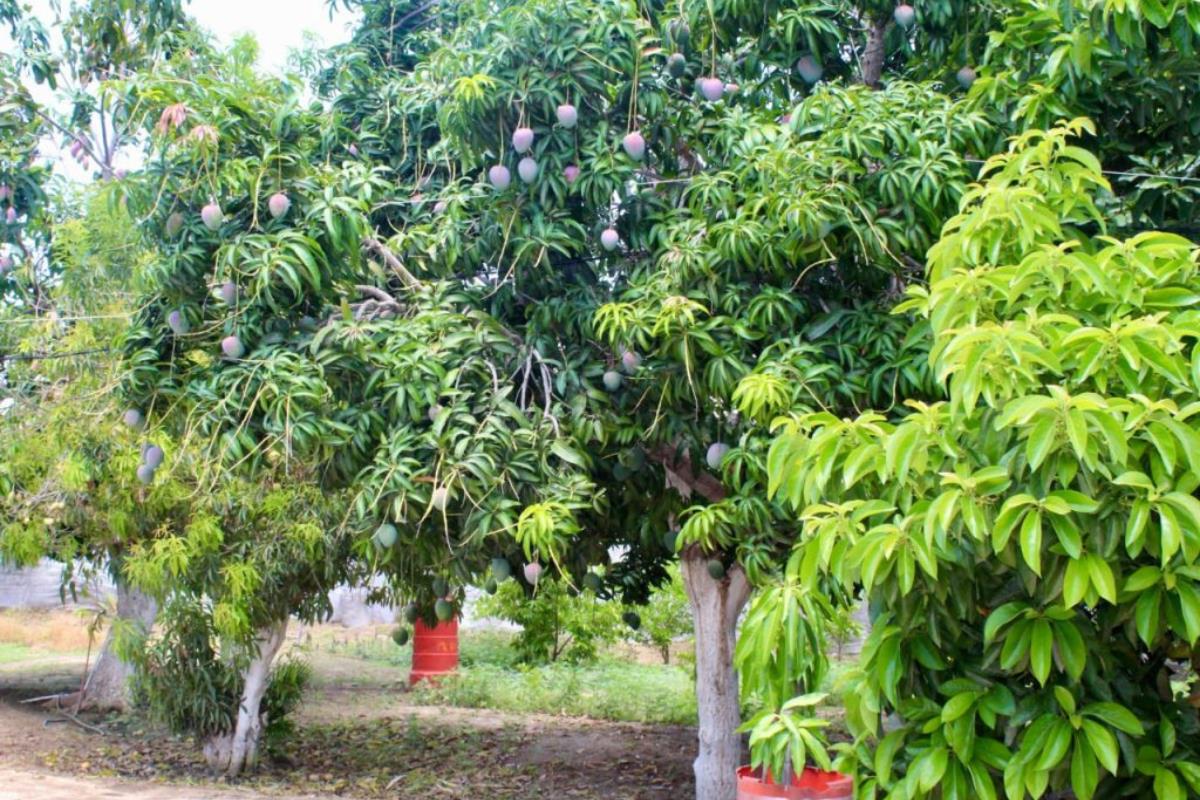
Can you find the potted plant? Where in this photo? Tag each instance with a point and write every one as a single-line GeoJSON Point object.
{"type": "Point", "coordinates": [782, 740]}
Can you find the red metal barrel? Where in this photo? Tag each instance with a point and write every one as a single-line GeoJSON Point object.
{"type": "Point", "coordinates": [811, 784]}
{"type": "Point", "coordinates": [435, 650]}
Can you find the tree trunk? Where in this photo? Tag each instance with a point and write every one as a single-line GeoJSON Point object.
{"type": "Point", "coordinates": [107, 686]}
{"type": "Point", "coordinates": [234, 752]}
{"type": "Point", "coordinates": [872, 59]}
{"type": "Point", "coordinates": [715, 608]}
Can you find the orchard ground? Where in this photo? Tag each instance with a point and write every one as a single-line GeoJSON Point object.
{"type": "Point", "coordinates": [622, 727]}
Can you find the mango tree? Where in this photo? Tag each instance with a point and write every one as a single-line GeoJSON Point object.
{"type": "Point", "coordinates": [66, 260]}
{"type": "Point", "coordinates": [247, 558]}
{"type": "Point", "coordinates": [507, 292]}
{"type": "Point", "coordinates": [647, 241]}
{"type": "Point", "coordinates": [72, 468]}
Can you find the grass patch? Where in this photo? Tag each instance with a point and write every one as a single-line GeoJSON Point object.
{"type": "Point", "coordinates": [616, 687]}
{"type": "Point", "coordinates": [612, 690]}
{"type": "Point", "coordinates": [10, 653]}
{"type": "Point", "coordinates": [490, 676]}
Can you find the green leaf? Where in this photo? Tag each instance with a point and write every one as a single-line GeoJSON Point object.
{"type": "Point", "coordinates": [1147, 615]}
{"type": "Point", "coordinates": [1135, 528]}
{"type": "Point", "coordinates": [1055, 747]}
{"type": "Point", "coordinates": [1084, 775]}
{"type": "Point", "coordinates": [901, 448]}
{"type": "Point", "coordinates": [1191, 773]}
{"type": "Point", "coordinates": [930, 767]}
{"type": "Point", "coordinates": [1041, 440]}
{"type": "Point", "coordinates": [1103, 744]}
{"type": "Point", "coordinates": [958, 705]}
{"type": "Point", "coordinates": [1166, 735]}
{"type": "Point", "coordinates": [1041, 650]}
{"type": "Point", "coordinates": [1114, 715]}
{"type": "Point", "coordinates": [1072, 652]}
{"type": "Point", "coordinates": [1142, 579]}
{"type": "Point", "coordinates": [1166, 785]}
{"type": "Point", "coordinates": [568, 454]}
{"type": "Point", "coordinates": [1189, 607]}
{"type": "Point", "coordinates": [1068, 535]}
{"type": "Point", "coordinates": [1076, 581]}
{"type": "Point", "coordinates": [1031, 540]}
{"type": "Point", "coordinates": [1102, 578]}
{"type": "Point", "coordinates": [885, 755]}
{"type": "Point", "coordinates": [1066, 701]}
{"type": "Point", "coordinates": [1001, 617]}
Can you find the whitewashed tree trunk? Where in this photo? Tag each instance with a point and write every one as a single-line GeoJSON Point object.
{"type": "Point", "coordinates": [715, 608]}
{"type": "Point", "coordinates": [107, 685]}
{"type": "Point", "coordinates": [234, 752]}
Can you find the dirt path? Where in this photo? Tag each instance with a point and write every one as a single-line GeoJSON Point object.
{"type": "Point", "coordinates": [20, 785]}
{"type": "Point", "coordinates": [357, 736]}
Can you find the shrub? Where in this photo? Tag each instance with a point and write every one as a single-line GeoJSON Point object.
{"type": "Point", "coordinates": [1030, 544]}
{"type": "Point", "coordinates": [556, 622]}
{"type": "Point", "coordinates": [186, 682]}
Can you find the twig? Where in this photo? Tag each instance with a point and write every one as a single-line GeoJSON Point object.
{"type": "Point", "coordinates": [85, 725]}
{"type": "Point", "coordinates": [44, 698]}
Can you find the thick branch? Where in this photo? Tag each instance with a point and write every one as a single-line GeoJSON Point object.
{"type": "Point", "coordinates": [377, 294]}
{"type": "Point", "coordinates": [684, 477]}
{"type": "Point", "coordinates": [389, 258]}
{"type": "Point", "coordinates": [872, 59]}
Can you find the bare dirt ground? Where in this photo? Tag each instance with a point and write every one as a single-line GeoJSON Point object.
{"type": "Point", "coordinates": [357, 736]}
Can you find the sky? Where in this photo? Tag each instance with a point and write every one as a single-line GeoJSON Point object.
{"type": "Point", "coordinates": [278, 25]}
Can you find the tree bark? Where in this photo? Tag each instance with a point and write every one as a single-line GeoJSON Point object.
{"type": "Point", "coordinates": [872, 59]}
{"type": "Point", "coordinates": [234, 752]}
{"type": "Point", "coordinates": [715, 608]}
{"type": "Point", "coordinates": [107, 685]}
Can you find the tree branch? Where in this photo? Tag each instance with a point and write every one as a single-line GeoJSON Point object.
{"type": "Point", "coordinates": [389, 258]}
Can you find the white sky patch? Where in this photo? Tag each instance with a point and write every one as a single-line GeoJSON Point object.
{"type": "Point", "coordinates": [278, 25]}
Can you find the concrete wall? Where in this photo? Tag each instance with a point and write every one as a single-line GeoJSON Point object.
{"type": "Point", "coordinates": [40, 586]}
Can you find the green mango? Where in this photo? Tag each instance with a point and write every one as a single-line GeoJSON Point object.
{"type": "Point", "coordinates": [501, 569]}
{"type": "Point", "coordinates": [385, 536]}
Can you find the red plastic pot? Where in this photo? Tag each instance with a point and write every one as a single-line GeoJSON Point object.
{"type": "Point", "coordinates": [811, 784]}
{"type": "Point", "coordinates": [435, 650]}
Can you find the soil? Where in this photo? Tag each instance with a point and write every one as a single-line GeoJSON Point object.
{"type": "Point", "coordinates": [356, 736]}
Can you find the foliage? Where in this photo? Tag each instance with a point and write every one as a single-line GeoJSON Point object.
{"type": "Point", "coordinates": [94, 41]}
{"type": "Point", "coordinates": [67, 462]}
{"type": "Point", "coordinates": [556, 621]}
{"type": "Point", "coordinates": [1028, 543]}
{"type": "Point", "coordinates": [474, 366]}
{"type": "Point", "coordinates": [257, 553]}
{"type": "Point", "coordinates": [500, 304]}
{"type": "Point", "coordinates": [1131, 67]}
